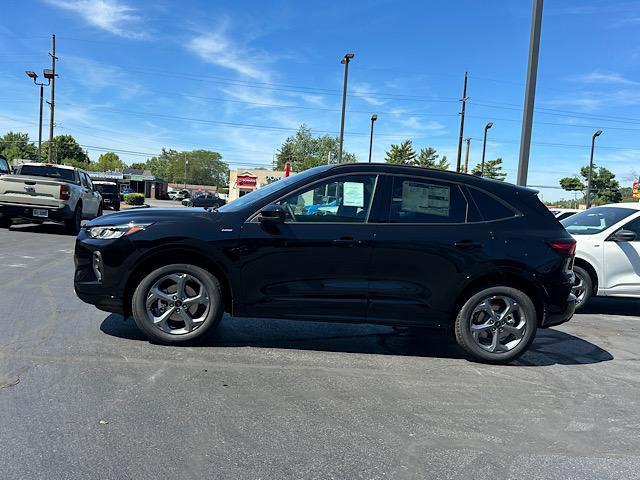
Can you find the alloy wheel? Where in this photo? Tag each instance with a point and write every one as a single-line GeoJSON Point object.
{"type": "Point", "coordinates": [177, 303]}
{"type": "Point", "coordinates": [498, 324]}
{"type": "Point", "coordinates": [579, 288]}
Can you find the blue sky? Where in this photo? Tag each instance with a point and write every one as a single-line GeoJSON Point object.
{"type": "Point", "coordinates": [240, 76]}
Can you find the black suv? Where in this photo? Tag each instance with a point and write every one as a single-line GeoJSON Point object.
{"type": "Point", "coordinates": [373, 243]}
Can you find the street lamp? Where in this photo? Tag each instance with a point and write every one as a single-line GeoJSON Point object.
{"type": "Point", "coordinates": [34, 76]}
{"type": "Point", "coordinates": [593, 144]}
{"type": "Point", "coordinates": [484, 146]}
{"type": "Point", "coordinates": [186, 162]}
{"type": "Point", "coordinates": [345, 61]}
{"type": "Point", "coordinates": [374, 117]}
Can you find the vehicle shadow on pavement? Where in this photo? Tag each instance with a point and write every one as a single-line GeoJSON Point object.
{"type": "Point", "coordinates": [550, 347]}
{"type": "Point", "coordinates": [44, 228]}
{"type": "Point", "coordinates": [629, 307]}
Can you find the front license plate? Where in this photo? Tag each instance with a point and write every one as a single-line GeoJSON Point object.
{"type": "Point", "coordinates": [40, 213]}
{"type": "Point", "coordinates": [106, 200]}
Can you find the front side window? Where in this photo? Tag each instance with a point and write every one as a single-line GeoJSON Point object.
{"type": "Point", "coordinates": [4, 166]}
{"type": "Point", "coordinates": [416, 200]}
{"type": "Point", "coordinates": [341, 200]}
{"type": "Point", "coordinates": [595, 220]}
{"type": "Point", "coordinates": [634, 226]}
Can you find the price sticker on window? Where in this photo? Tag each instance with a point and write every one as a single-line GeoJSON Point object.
{"type": "Point", "coordinates": [353, 194]}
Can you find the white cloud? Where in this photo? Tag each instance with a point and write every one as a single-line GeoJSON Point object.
{"type": "Point", "coordinates": [95, 76]}
{"type": "Point", "coordinates": [364, 91]}
{"type": "Point", "coordinates": [109, 15]}
{"type": "Point", "coordinates": [591, 101]}
{"type": "Point", "coordinates": [599, 77]}
{"type": "Point", "coordinates": [218, 49]}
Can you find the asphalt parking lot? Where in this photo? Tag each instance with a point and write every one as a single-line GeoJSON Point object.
{"type": "Point", "coordinates": [83, 395]}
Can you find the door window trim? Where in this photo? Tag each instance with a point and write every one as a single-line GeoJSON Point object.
{"type": "Point", "coordinates": [253, 218]}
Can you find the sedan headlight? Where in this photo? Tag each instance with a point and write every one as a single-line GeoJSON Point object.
{"type": "Point", "coordinates": [108, 232]}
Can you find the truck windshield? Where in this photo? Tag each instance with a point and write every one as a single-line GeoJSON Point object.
{"type": "Point", "coordinates": [64, 174]}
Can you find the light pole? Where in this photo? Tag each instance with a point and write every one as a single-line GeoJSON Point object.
{"type": "Point", "coordinates": [593, 144]}
{"type": "Point", "coordinates": [484, 146]}
{"type": "Point", "coordinates": [374, 117]}
{"type": "Point", "coordinates": [345, 61]}
{"type": "Point", "coordinates": [33, 75]}
{"type": "Point", "coordinates": [186, 162]}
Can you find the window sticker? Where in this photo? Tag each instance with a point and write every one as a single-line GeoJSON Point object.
{"type": "Point", "coordinates": [425, 198]}
{"type": "Point", "coordinates": [353, 194]}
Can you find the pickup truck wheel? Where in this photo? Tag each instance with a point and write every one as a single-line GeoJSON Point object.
{"type": "Point", "coordinates": [496, 324]}
{"type": "Point", "coordinates": [177, 303]}
{"type": "Point", "coordinates": [74, 223]}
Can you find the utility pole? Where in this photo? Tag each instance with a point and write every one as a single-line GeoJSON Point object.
{"type": "Point", "coordinates": [329, 158]}
{"type": "Point", "coordinates": [593, 145]}
{"type": "Point", "coordinates": [345, 61]}
{"type": "Point", "coordinates": [464, 103]}
{"type": "Point", "coordinates": [466, 156]}
{"type": "Point", "coordinates": [53, 96]}
{"type": "Point", "coordinates": [186, 162]}
{"type": "Point", "coordinates": [374, 117]}
{"type": "Point", "coordinates": [530, 93]}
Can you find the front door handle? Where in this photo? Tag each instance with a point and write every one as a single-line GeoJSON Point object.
{"type": "Point", "coordinates": [467, 244]}
{"type": "Point", "coordinates": [346, 242]}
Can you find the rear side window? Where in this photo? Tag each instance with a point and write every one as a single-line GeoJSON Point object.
{"type": "Point", "coordinates": [490, 207]}
{"type": "Point", "coordinates": [416, 200]}
{"type": "Point", "coordinates": [4, 166]}
{"type": "Point", "coordinates": [64, 174]}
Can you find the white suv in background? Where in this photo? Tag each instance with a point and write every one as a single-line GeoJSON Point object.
{"type": "Point", "coordinates": [607, 258]}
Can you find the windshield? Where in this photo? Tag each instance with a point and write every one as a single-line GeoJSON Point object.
{"type": "Point", "coordinates": [106, 188]}
{"type": "Point", "coordinates": [47, 171]}
{"type": "Point", "coordinates": [595, 220]}
{"type": "Point", "coordinates": [263, 192]}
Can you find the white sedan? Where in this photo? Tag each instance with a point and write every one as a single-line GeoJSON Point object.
{"type": "Point", "coordinates": [607, 259]}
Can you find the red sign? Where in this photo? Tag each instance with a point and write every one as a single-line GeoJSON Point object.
{"type": "Point", "coordinates": [246, 181]}
{"type": "Point", "coordinates": [636, 190]}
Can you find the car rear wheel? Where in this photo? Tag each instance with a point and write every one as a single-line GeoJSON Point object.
{"type": "Point", "coordinates": [74, 223]}
{"type": "Point", "coordinates": [496, 324]}
{"type": "Point", "coordinates": [177, 303]}
{"type": "Point", "coordinates": [582, 286]}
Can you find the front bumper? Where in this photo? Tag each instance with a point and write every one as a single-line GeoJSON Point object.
{"type": "Point", "coordinates": [558, 315]}
{"type": "Point", "coordinates": [55, 214]}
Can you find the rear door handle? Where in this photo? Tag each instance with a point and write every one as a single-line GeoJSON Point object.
{"type": "Point", "coordinates": [467, 244]}
{"type": "Point", "coordinates": [346, 242]}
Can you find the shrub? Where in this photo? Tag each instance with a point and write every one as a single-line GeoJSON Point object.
{"type": "Point", "coordinates": [134, 199]}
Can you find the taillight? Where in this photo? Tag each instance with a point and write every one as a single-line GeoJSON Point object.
{"type": "Point", "coordinates": [65, 192]}
{"type": "Point", "coordinates": [564, 246]}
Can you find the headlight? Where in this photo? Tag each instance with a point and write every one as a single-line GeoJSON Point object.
{"type": "Point", "coordinates": [108, 232]}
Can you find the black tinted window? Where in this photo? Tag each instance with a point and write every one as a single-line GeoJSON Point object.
{"type": "Point", "coordinates": [106, 188]}
{"type": "Point", "coordinates": [4, 166]}
{"type": "Point", "coordinates": [634, 226]}
{"type": "Point", "coordinates": [490, 208]}
{"type": "Point", "coordinates": [417, 200]}
{"type": "Point", "coordinates": [48, 171]}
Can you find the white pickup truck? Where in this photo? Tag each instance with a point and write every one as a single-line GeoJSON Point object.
{"type": "Point", "coordinates": [45, 192]}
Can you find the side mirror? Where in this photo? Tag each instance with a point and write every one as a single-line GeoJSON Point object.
{"type": "Point", "coordinates": [272, 214]}
{"type": "Point", "coordinates": [624, 236]}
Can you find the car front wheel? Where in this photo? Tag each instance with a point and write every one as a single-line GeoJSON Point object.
{"type": "Point", "coordinates": [177, 303]}
{"type": "Point", "coordinates": [496, 324]}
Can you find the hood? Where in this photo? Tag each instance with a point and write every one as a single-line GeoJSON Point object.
{"type": "Point", "coordinates": [155, 215]}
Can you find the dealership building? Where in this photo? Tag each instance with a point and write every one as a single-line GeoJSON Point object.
{"type": "Point", "coordinates": [243, 181]}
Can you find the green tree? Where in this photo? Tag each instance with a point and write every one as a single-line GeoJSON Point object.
{"type": "Point", "coordinates": [428, 158]}
{"type": "Point", "coordinates": [16, 145]}
{"type": "Point", "coordinates": [204, 167]}
{"type": "Point", "coordinates": [604, 187]}
{"type": "Point", "coordinates": [109, 162]}
{"type": "Point", "coordinates": [66, 150]}
{"type": "Point", "coordinates": [492, 169]}
{"type": "Point", "coordinates": [304, 151]}
{"type": "Point", "coordinates": [139, 165]}
{"type": "Point", "coordinates": [402, 154]}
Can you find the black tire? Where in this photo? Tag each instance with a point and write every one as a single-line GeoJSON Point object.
{"type": "Point", "coordinates": [465, 317]}
{"type": "Point", "coordinates": [116, 207]}
{"type": "Point", "coordinates": [189, 204]}
{"type": "Point", "coordinates": [212, 316]}
{"type": "Point", "coordinates": [584, 291]}
{"type": "Point", "coordinates": [5, 222]}
{"type": "Point", "coordinates": [74, 223]}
